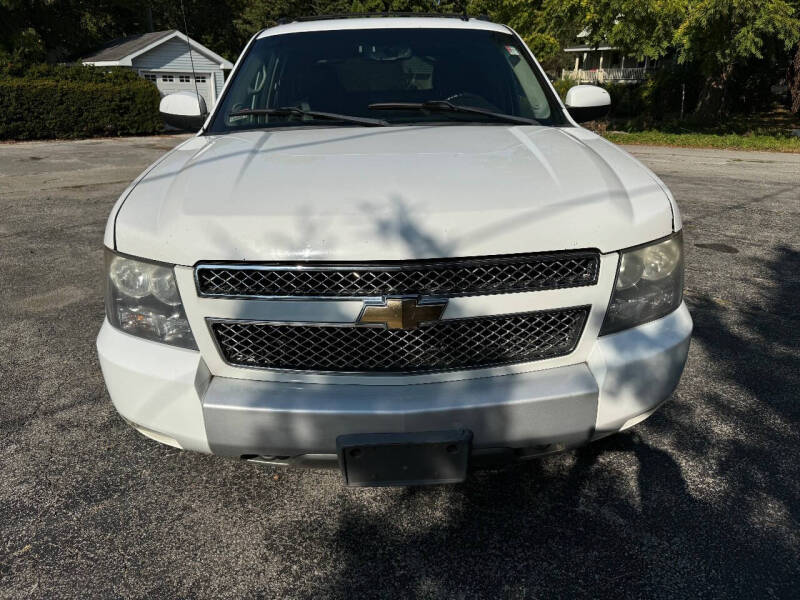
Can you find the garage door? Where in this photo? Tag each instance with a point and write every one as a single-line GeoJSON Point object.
{"type": "Point", "coordinates": [169, 83]}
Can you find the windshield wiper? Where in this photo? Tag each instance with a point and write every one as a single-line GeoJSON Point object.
{"type": "Point", "coordinates": [295, 110]}
{"type": "Point", "coordinates": [446, 106]}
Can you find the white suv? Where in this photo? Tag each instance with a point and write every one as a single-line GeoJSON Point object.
{"type": "Point", "coordinates": [391, 249]}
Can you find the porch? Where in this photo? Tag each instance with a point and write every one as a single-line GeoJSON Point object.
{"type": "Point", "coordinates": [621, 74]}
{"type": "Point", "coordinates": [605, 63]}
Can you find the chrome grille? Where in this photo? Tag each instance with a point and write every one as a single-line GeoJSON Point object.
{"type": "Point", "coordinates": [445, 278]}
{"type": "Point", "coordinates": [437, 346]}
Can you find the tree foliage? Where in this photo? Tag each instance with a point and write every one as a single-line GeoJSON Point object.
{"type": "Point", "coordinates": [723, 40]}
{"type": "Point", "coordinates": [723, 36]}
{"type": "Point", "coordinates": [62, 30]}
{"type": "Point", "coordinates": [726, 40]}
{"type": "Point", "coordinates": [529, 19]}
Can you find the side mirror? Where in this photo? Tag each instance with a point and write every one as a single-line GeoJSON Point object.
{"type": "Point", "coordinates": [587, 102]}
{"type": "Point", "coordinates": [183, 110]}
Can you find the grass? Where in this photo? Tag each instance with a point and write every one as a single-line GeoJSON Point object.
{"type": "Point", "coordinates": [768, 131]}
{"type": "Point", "coordinates": [729, 141]}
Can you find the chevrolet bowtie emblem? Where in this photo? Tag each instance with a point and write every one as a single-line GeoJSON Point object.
{"type": "Point", "coordinates": [402, 313]}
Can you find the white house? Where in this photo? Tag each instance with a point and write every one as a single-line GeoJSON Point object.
{"type": "Point", "coordinates": [163, 58]}
{"type": "Point", "coordinates": [603, 63]}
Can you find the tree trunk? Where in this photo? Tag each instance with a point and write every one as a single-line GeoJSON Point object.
{"type": "Point", "coordinates": [713, 101]}
{"type": "Point", "coordinates": [793, 81]}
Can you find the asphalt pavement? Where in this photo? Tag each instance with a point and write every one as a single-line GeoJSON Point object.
{"type": "Point", "coordinates": [701, 500]}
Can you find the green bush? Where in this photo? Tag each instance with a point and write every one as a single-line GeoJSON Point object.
{"type": "Point", "coordinates": [563, 85]}
{"type": "Point", "coordinates": [76, 102]}
{"type": "Point", "coordinates": [66, 72]}
{"type": "Point", "coordinates": [627, 100]}
{"type": "Point", "coordinates": [655, 100]}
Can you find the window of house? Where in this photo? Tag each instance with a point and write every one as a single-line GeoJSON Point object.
{"type": "Point", "coordinates": [184, 78]}
{"type": "Point", "coordinates": [150, 77]}
{"type": "Point", "coordinates": [200, 78]}
{"type": "Point", "coordinates": [167, 78]}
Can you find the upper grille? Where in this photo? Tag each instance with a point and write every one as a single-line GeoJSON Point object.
{"type": "Point", "coordinates": [456, 277]}
{"type": "Point", "coordinates": [436, 346]}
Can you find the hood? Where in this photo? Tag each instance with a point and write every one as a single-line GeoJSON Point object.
{"type": "Point", "coordinates": [394, 193]}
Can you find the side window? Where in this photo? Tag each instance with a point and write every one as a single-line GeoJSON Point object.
{"type": "Point", "coordinates": [200, 79]}
{"type": "Point", "coordinates": [532, 101]}
{"type": "Point", "coordinates": [258, 91]}
{"type": "Point", "coordinates": [184, 78]}
{"type": "Point", "coordinates": [167, 78]}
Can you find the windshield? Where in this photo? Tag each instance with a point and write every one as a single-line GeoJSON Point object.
{"type": "Point", "coordinates": [344, 72]}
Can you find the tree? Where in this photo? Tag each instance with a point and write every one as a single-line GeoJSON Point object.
{"type": "Point", "coordinates": [793, 81]}
{"type": "Point", "coordinates": [257, 14]}
{"type": "Point", "coordinates": [69, 29]}
{"type": "Point", "coordinates": [730, 42]}
{"type": "Point", "coordinates": [528, 19]}
{"type": "Point", "coordinates": [641, 28]}
{"type": "Point", "coordinates": [723, 35]}
{"type": "Point", "coordinates": [718, 36]}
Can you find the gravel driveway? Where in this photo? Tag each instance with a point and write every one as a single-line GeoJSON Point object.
{"type": "Point", "coordinates": [701, 500]}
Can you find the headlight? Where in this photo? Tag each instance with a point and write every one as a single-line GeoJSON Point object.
{"type": "Point", "coordinates": [649, 285]}
{"type": "Point", "coordinates": [142, 299]}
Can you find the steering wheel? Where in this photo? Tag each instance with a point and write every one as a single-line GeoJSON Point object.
{"type": "Point", "coordinates": [474, 100]}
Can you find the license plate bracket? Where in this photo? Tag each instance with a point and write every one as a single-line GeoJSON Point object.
{"type": "Point", "coordinates": [402, 459]}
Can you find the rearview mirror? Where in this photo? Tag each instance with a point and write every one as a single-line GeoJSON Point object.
{"type": "Point", "coordinates": [587, 102]}
{"type": "Point", "coordinates": [183, 110]}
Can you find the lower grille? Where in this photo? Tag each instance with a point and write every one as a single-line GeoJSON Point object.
{"type": "Point", "coordinates": [437, 346]}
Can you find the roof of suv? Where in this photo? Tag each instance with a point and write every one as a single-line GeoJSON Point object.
{"type": "Point", "coordinates": [383, 23]}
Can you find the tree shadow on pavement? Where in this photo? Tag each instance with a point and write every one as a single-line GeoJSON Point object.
{"type": "Point", "coordinates": [558, 528]}
{"type": "Point", "coordinates": [701, 500]}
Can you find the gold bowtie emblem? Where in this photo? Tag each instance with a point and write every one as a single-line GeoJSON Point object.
{"type": "Point", "coordinates": [402, 313]}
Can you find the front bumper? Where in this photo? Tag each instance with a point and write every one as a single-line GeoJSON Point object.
{"type": "Point", "coordinates": [169, 394]}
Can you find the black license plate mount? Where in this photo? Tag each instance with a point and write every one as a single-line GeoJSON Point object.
{"type": "Point", "coordinates": [404, 459]}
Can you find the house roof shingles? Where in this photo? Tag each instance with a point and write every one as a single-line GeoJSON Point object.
{"type": "Point", "coordinates": [122, 47]}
